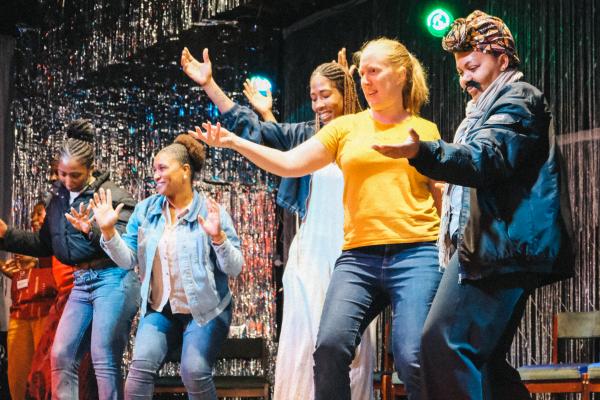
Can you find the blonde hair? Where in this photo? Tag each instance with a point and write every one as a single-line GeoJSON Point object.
{"type": "Point", "coordinates": [343, 82]}
{"type": "Point", "coordinates": [415, 92]}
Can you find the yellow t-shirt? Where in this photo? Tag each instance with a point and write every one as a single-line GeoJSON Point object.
{"type": "Point", "coordinates": [386, 201]}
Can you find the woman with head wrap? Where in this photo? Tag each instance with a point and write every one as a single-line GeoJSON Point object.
{"type": "Point", "coordinates": [504, 226]}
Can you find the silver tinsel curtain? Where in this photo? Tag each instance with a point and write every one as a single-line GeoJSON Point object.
{"type": "Point", "coordinates": [139, 103]}
{"type": "Point", "coordinates": [116, 63]}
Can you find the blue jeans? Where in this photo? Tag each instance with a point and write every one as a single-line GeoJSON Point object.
{"type": "Point", "coordinates": [161, 332]}
{"type": "Point", "coordinates": [365, 280]}
{"type": "Point", "coordinates": [97, 317]}
{"type": "Point", "coordinates": [467, 334]}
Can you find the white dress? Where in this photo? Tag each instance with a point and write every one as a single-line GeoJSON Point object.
{"type": "Point", "coordinates": [311, 259]}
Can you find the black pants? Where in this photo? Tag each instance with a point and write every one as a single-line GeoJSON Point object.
{"type": "Point", "coordinates": [468, 332]}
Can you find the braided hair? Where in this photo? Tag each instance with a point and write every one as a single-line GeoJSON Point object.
{"type": "Point", "coordinates": [343, 82]}
{"type": "Point", "coordinates": [80, 136]}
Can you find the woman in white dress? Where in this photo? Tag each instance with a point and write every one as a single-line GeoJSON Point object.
{"type": "Point", "coordinates": [318, 242]}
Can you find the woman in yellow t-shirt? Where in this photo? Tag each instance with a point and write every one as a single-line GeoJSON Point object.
{"type": "Point", "coordinates": [390, 219]}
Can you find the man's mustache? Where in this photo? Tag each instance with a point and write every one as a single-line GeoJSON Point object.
{"type": "Point", "coordinates": [473, 84]}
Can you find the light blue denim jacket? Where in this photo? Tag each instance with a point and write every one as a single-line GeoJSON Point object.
{"type": "Point", "coordinates": [204, 267]}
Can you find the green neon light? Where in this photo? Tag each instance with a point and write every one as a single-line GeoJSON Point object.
{"type": "Point", "coordinates": [438, 22]}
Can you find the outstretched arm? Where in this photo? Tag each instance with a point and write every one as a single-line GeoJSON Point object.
{"type": "Point", "coordinates": [299, 161]}
{"type": "Point", "coordinates": [35, 244]}
{"type": "Point", "coordinates": [201, 73]}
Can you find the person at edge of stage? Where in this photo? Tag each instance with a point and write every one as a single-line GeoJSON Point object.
{"type": "Point", "coordinates": [104, 298]}
{"type": "Point", "coordinates": [505, 223]}
{"type": "Point", "coordinates": [32, 293]}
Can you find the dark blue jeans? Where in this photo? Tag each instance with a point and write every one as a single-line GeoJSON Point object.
{"type": "Point", "coordinates": [160, 332]}
{"type": "Point", "coordinates": [467, 335]}
{"type": "Point", "coordinates": [365, 280]}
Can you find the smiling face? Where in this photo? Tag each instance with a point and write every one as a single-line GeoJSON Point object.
{"type": "Point", "coordinates": [73, 174]}
{"type": "Point", "coordinates": [37, 217]}
{"type": "Point", "coordinates": [170, 175]}
{"type": "Point", "coordinates": [326, 100]}
{"type": "Point", "coordinates": [480, 68]}
{"type": "Point", "coordinates": [382, 83]}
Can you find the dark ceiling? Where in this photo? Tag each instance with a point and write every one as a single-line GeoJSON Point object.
{"type": "Point", "coordinates": [278, 13]}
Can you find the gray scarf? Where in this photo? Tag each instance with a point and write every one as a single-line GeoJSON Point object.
{"type": "Point", "coordinates": [474, 113]}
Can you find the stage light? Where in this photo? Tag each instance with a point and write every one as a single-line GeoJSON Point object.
{"type": "Point", "coordinates": [439, 21]}
{"type": "Point", "coordinates": [261, 84]}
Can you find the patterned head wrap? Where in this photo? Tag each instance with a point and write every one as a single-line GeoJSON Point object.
{"type": "Point", "coordinates": [481, 32]}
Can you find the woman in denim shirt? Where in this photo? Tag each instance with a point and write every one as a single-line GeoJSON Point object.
{"type": "Point", "coordinates": [186, 247]}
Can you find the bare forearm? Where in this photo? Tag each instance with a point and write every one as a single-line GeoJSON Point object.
{"type": "Point", "coordinates": [271, 160]}
{"type": "Point", "coordinates": [217, 96]}
{"type": "Point", "coordinates": [268, 116]}
{"type": "Point", "coordinates": [300, 161]}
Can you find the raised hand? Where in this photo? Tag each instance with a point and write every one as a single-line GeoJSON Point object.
{"type": "Point", "coordinates": [105, 215]}
{"type": "Point", "coordinates": [10, 267]}
{"type": "Point", "coordinates": [25, 262]}
{"type": "Point", "coordinates": [408, 149]}
{"type": "Point", "coordinates": [200, 72]}
{"type": "Point", "coordinates": [261, 103]}
{"type": "Point", "coordinates": [214, 135]}
{"type": "Point", "coordinates": [82, 220]}
{"type": "Point", "coordinates": [343, 61]}
{"type": "Point", "coordinates": [212, 223]}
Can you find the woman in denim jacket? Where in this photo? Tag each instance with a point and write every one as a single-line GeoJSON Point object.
{"type": "Point", "coordinates": [186, 247]}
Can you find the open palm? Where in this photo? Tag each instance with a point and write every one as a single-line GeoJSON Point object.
{"type": "Point", "coordinates": [105, 215]}
{"type": "Point", "coordinates": [81, 220]}
{"type": "Point", "coordinates": [261, 103]}
{"type": "Point", "coordinates": [214, 135]}
{"type": "Point", "coordinates": [407, 149]}
{"type": "Point", "coordinates": [212, 223]}
{"type": "Point", "coordinates": [199, 72]}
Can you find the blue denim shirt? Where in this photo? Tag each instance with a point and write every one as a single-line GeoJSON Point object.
{"type": "Point", "coordinates": [204, 267]}
{"type": "Point", "coordinates": [515, 215]}
{"type": "Point", "coordinates": [293, 192]}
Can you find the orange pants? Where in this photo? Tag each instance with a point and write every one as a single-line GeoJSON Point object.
{"type": "Point", "coordinates": [22, 340]}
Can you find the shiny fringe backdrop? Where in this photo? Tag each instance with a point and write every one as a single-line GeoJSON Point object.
{"type": "Point", "coordinates": [559, 44]}
{"type": "Point", "coordinates": [120, 68]}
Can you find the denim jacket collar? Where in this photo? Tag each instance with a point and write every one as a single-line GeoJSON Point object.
{"type": "Point", "coordinates": [198, 207]}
